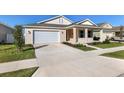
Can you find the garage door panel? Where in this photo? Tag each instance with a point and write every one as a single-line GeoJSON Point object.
{"type": "Point", "coordinates": [45, 37]}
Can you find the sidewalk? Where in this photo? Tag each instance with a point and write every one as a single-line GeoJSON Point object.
{"type": "Point", "coordinates": [17, 65]}
{"type": "Point", "coordinates": [107, 50]}
{"type": "Point", "coordinates": [93, 47]}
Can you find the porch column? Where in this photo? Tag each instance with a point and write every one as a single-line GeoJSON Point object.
{"type": "Point", "coordinates": [86, 35]}
{"type": "Point", "coordinates": [101, 35]}
{"type": "Point", "coordinates": [74, 35]}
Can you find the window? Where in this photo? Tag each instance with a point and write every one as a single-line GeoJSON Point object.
{"type": "Point", "coordinates": [90, 33]}
{"type": "Point", "coordinates": [81, 34]}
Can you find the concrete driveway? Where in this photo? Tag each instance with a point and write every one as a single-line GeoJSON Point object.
{"type": "Point", "coordinates": [61, 60]}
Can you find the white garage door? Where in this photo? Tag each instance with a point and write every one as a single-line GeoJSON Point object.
{"type": "Point", "coordinates": [46, 37]}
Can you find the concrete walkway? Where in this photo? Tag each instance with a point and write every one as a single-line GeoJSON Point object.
{"type": "Point", "coordinates": [93, 47]}
{"type": "Point", "coordinates": [61, 60]}
{"type": "Point", "coordinates": [17, 65]}
{"type": "Point", "coordinates": [101, 51]}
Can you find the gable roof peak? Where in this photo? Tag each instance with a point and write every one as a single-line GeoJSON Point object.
{"type": "Point", "coordinates": [104, 23]}
{"type": "Point", "coordinates": [55, 17]}
{"type": "Point", "coordinates": [85, 21]}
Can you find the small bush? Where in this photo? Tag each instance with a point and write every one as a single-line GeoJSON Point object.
{"type": "Point", "coordinates": [78, 45]}
{"type": "Point", "coordinates": [96, 38]}
{"type": "Point", "coordinates": [68, 43]}
{"type": "Point", "coordinates": [112, 38]}
{"type": "Point", "coordinates": [74, 45]}
{"type": "Point", "coordinates": [95, 43]}
{"type": "Point", "coordinates": [30, 45]}
{"type": "Point", "coordinates": [107, 41]}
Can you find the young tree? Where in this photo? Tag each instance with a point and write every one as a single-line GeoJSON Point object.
{"type": "Point", "coordinates": [121, 32]}
{"type": "Point", "coordinates": [18, 36]}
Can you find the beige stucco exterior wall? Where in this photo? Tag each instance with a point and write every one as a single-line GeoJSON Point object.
{"type": "Point", "coordinates": [85, 40]}
{"type": "Point", "coordinates": [28, 34]}
{"type": "Point", "coordinates": [73, 40]}
{"type": "Point", "coordinates": [62, 35]}
{"type": "Point", "coordinates": [87, 23]}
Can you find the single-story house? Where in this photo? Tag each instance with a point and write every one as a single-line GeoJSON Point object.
{"type": "Point", "coordinates": [61, 29]}
{"type": "Point", "coordinates": [118, 33]}
{"type": "Point", "coordinates": [106, 31]}
{"type": "Point", "coordinates": [6, 34]}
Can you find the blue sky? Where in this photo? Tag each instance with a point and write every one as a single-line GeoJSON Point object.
{"type": "Point", "coordinates": [13, 20]}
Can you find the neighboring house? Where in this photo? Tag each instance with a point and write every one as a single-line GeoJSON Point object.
{"type": "Point", "coordinates": [62, 29]}
{"type": "Point", "coordinates": [6, 34]}
{"type": "Point", "coordinates": [105, 32]}
{"type": "Point", "coordinates": [118, 33]}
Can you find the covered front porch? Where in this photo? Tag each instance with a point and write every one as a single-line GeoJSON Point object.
{"type": "Point", "coordinates": [80, 35]}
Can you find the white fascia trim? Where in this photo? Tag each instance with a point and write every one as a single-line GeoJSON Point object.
{"type": "Point", "coordinates": [47, 19]}
{"type": "Point", "coordinates": [67, 19]}
{"type": "Point", "coordinates": [87, 20]}
{"type": "Point", "coordinates": [109, 24]}
{"type": "Point", "coordinates": [26, 27]}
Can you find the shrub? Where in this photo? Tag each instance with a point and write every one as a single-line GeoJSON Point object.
{"type": "Point", "coordinates": [74, 45]}
{"type": "Point", "coordinates": [94, 43]}
{"type": "Point", "coordinates": [68, 43]}
{"type": "Point", "coordinates": [2, 42]}
{"type": "Point", "coordinates": [78, 45]}
{"type": "Point", "coordinates": [107, 41]}
{"type": "Point", "coordinates": [96, 38]}
{"type": "Point", "coordinates": [112, 38]}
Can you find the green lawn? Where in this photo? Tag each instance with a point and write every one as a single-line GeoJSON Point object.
{"type": "Point", "coordinates": [117, 54]}
{"type": "Point", "coordinates": [80, 46]}
{"type": "Point", "coordinates": [20, 73]}
{"type": "Point", "coordinates": [110, 45]}
{"type": "Point", "coordinates": [9, 53]}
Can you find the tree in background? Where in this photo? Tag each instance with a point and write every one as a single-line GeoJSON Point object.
{"type": "Point", "coordinates": [18, 36]}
